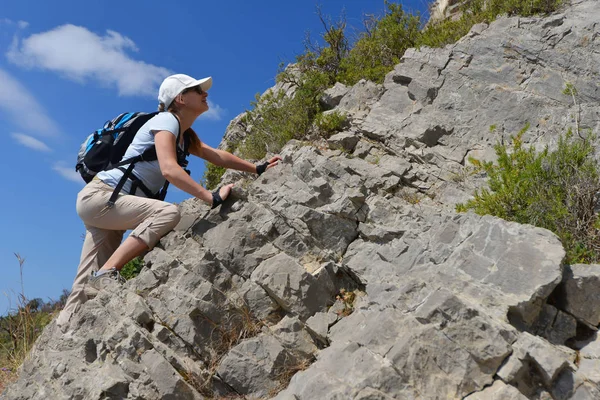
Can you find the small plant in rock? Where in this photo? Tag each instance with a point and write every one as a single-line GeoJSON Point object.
{"type": "Point", "coordinates": [347, 298]}
{"type": "Point", "coordinates": [132, 268]}
{"type": "Point", "coordinates": [463, 174]}
{"type": "Point", "coordinates": [409, 196]}
{"type": "Point", "coordinates": [331, 123]}
{"type": "Point", "coordinates": [555, 190]}
{"type": "Point", "coordinates": [570, 90]}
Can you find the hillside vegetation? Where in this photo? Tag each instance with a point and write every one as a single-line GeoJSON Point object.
{"type": "Point", "coordinates": [275, 118]}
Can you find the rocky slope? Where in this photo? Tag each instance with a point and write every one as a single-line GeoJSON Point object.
{"type": "Point", "coordinates": [345, 273]}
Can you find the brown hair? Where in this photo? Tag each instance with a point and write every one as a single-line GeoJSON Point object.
{"type": "Point", "coordinates": [195, 142]}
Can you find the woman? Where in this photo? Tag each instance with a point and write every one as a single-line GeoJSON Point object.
{"type": "Point", "coordinates": [181, 100]}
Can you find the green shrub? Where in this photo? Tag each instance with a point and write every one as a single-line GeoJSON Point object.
{"type": "Point", "coordinates": [553, 190]}
{"type": "Point", "coordinates": [448, 31]}
{"type": "Point", "coordinates": [273, 122]}
{"type": "Point", "coordinates": [325, 60]}
{"type": "Point", "coordinates": [132, 268]}
{"type": "Point", "coordinates": [441, 33]}
{"type": "Point", "coordinates": [276, 118]}
{"type": "Point", "coordinates": [381, 46]}
{"type": "Point", "coordinates": [212, 175]}
{"type": "Point", "coordinates": [330, 123]}
{"type": "Point", "coordinates": [524, 8]}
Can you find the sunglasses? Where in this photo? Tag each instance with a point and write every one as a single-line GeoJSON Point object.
{"type": "Point", "coordinates": [196, 89]}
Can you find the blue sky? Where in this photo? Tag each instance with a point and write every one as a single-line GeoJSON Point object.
{"type": "Point", "coordinates": [68, 66]}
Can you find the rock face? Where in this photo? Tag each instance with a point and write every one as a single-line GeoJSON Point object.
{"type": "Point", "coordinates": [344, 273]}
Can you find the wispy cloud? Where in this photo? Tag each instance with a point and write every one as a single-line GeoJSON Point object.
{"type": "Point", "coordinates": [9, 22]}
{"type": "Point", "coordinates": [31, 142]}
{"type": "Point", "coordinates": [215, 112]}
{"type": "Point", "coordinates": [80, 55]}
{"type": "Point", "coordinates": [23, 109]}
{"type": "Point", "coordinates": [68, 173]}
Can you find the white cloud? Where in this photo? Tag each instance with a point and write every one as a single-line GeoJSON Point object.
{"type": "Point", "coordinates": [215, 112]}
{"type": "Point", "coordinates": [22, 107]}
{"type": "Point", "coordinates": [22, 24]}
{"type": "Point", "coordinates": [80, 55]}
{"type": "Point", "coordinates": [68, 173]}
{"type": "Point", "coordinates": [30, 142]}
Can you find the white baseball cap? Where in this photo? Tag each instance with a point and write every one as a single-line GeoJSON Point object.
{"type": "Point", "coordinates": [175, 84]}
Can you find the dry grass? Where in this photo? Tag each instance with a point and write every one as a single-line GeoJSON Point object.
{"type": "Point", "coordinates": [409, 196]}
{"type": "Point", "coordinates": [287, 372]}
{"type": "Point", "coordinates": [239, 324]}
{"type": "Point", "coordinates": [20, 328]}
{"type": "Point", "coordinates": [6, 378]}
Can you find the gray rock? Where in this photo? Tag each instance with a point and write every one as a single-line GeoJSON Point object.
{"type": "Point", "coordinates": [294, 336]}
{"type": "Point", "coordinates": [169, 382]}
{"type": "Point", "coordinates": [319, 324]}
{"type": "Point", "coordinates": [581, 286]}
{"type": "Point", "coordinates": [332, 96]}
{"type": "Point", "coordinates": [555, 325]}
{"type": "Point", "coordinates": [358, 100]}
{"type": "Point", "coordinates": [589, 348]}
{"type": "Point", "coordinates": [362, 149]}
{"type": "Point", "coordinates": [549, 360]}
{"type": "Point", "coordinates": [586, 392]}
{"type": "Point", "coordinates": [253, 367]}
{"type": "Point", "coordinates": [498, 391]}
{"type": "Point", "coordinates": [343, 141]}
{"type": "Point", "coordinates": [294, 289]}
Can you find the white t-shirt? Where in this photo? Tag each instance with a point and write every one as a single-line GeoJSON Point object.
{"type": "Point", "coordinates": [147, 171]}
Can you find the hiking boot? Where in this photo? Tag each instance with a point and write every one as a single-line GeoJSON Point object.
{"type": "Point", "coordinates": [103, 282]}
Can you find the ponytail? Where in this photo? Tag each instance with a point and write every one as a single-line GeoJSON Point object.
{"type": "Point", "coordinates": [195, 146]}
{"type": "Point", "coordinates": [195, 142]}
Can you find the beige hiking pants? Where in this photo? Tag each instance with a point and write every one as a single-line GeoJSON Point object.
{"type": "Point", "coordinates": [150, 219]}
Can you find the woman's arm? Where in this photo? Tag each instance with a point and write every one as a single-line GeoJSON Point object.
{"type": "Point", "coordinates": [227, 160]}
{"type": "Point", "coordinates": [224, 159]}
{"type": "Point", "coordinates": [172, 171]}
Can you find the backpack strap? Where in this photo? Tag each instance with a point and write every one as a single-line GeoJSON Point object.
{"type": "Point", "coordinates": [128, 174]}
{"type": "Point", "coordinates": [181, 159]}
{"type": "Point", "coordinates": [149, 155]}
{"type": "Point", "coordinates": [137, 183]}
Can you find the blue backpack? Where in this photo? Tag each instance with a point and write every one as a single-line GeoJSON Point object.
{"type": "Point", "coordinates": [104, 149]}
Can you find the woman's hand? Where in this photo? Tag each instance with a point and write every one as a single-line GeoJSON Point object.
{"type": "Point", "coordinates": [260, 168]}
{"type": "Point", "coordinates": [225, 190]}
{"type": "Point", "coordinates": [273, 162]}
{"type": "Point", "coordinates": [219, 197]}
